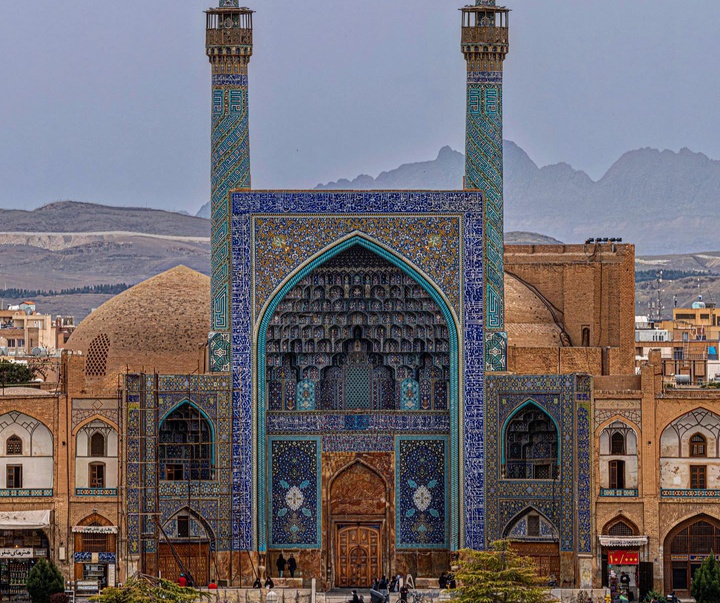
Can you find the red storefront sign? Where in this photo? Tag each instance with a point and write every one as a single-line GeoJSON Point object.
{"type": "Point", "coordinates": [623, 558]}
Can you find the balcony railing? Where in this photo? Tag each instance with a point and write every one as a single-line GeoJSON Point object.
{"type": "Point", "coordinates": [229, 37]}
{"type": "Point", "coordinates": [532, 469]}
{"type": "Point", "coordinates": [619, 492]}
{"type": "Point", "coordinates": [485, 35]}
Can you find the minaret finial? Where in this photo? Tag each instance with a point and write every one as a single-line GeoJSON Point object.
{"type": "Point", "coordinates": [234, 3]}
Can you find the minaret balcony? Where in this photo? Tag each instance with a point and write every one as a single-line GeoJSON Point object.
{"type": "Point", "coordinates": [489, 36]}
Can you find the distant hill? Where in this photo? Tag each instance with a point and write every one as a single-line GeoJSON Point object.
{"type": "Point", "coordinates": [69, 245]}
{"type": "Point", "coordinates": [662, 201]}
{"type": "Point", "coordinates": [529, 238]}
{"type": "Point", "coordinates": [72, 216]}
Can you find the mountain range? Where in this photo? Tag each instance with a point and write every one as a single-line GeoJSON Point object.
{"type": "Point", "coordinates": [662, 201]}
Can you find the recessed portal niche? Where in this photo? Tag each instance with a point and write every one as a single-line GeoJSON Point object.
{"type": "Point", "coordinates": [357, 333]}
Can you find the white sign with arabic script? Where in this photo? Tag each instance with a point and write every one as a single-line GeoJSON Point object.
{"type": "Point", "coordinates": [95, 529]}
{"type": "Point", "coordinates": [19, 553]}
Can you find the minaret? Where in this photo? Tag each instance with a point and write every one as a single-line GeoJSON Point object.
{"type": "Point", "coordinates": [229, 47]}
{"type": "Point", "coordinates": [485, 44]}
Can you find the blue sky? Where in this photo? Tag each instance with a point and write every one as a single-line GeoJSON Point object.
{"type": "Point", "coordinates": [109, 101]}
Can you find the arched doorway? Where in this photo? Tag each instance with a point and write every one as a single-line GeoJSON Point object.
{"type": "Point", "coordinates": [686, 546]}
{"type": "Point", "coordinates": [533, 535]}
{"type": "Point", "coordinates": [187, 548]}
{"type": "Point", "coordinates": [358, 504]}
{"type": "Point", "coordinates": [95, 550]}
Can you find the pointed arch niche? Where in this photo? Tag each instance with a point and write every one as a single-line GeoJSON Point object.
{"type": "Point", "coordinates": [357, 330]}
{"type": "Point", "coordinates": [357, 333]}
{"type": "Point", "coordinates": [531, 444]}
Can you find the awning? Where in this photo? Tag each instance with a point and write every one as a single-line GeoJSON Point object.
{"type": "Point", "coordinates": [95, 529]}
{"type": "Point", "coordinates": [623, 541]}
{"type": "Point", "coordinates": [24, 520]}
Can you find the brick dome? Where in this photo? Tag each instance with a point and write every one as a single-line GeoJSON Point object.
{"type": "Point", "coordinates": [528, 320]}
{"type": "Point", "coordinates": [157, 325]}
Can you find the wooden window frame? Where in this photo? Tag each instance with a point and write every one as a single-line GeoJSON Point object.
{"type": "Point", "coordinates": [171, 472]}
{"type": "Point", "coordinates": [13, 440]}
{"type": "Point", "coordinates": [104, 444]}
{"type": "Point", "coordinates": [616, 475]}
{"type": "Point", "coordinates": [14, 474]}
{"type": "Point", "coordinates": [185, 521]}
{"type": "Point", "coordinates": [623, 448]}
{"type": "Point", "coordinates": [698, 477]}
{"type": "Point", "coordinates": [536, 522]}
{"type": "Point", "coordinates": [699, 448]}
{"type": "Point", "coordinates": [94, 480]}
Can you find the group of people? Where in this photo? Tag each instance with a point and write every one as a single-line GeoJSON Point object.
{"type": "Point", "coordinates": [268, 583]}
{"type": "Point", "coordinates": [282, 563]}
{"type": "Point", "coordinates": [620, 587]}
{"type": "Point", "coordinates": [184, 580]}
{"type": "Point", "coordinates": [447, 580]}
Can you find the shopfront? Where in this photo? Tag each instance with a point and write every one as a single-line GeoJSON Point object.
{"type": "Point", "coordinates": [95, 553]}
{"type": "Point", "coordinates": [686, 547]}
{"type": "Point", "coordinates": [23, 540]}
{"type": "Point", "coordinates": [624, 570]}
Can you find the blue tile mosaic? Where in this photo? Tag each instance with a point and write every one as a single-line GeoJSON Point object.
{"type": "Point", "coordinates": [564, 501]}
{"type": "Point", "coordinates": [275, 216]}
{"type": "Point", "coordinates": [295, 492]}
{"type": "Point", "coordinates": [421, 505]}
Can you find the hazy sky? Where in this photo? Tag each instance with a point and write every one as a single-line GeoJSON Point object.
{"type": "Point", "coordinates": [109, 102]}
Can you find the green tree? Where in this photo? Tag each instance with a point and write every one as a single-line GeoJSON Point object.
{"type": "Point", "coordinates": [12, 373]}
{"type": "Point", "coordinates": [148, 589]}
{"type": "Point", "coordinates": [706, 581]}
{"type": "Point", "coordinates": [498, 575]}
{"type": "Point", "coordinates": [44, 580]}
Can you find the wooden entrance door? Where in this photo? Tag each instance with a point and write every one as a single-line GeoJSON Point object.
{"type": "Point", "coordinates": [545, 555]}
{"type": "Point", "coordinates": [358, 555]}
{"type": "Point", "coordinates": [195, 557]}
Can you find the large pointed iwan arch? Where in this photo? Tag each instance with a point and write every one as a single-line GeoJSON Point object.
{"type": "Point", "coordinates": [352, 239]}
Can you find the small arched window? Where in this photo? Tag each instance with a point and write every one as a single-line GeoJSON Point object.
{"type": "Point", "coordinates": [13, 445]}
{"type": "Point", "coordinates": [698, 445]}
{"type": "Point", "coordinates": [620, 529]}
{"type": "Point", "coordinates": [617, 443]}
{"type": "Point", "coordinates": [97, 444]}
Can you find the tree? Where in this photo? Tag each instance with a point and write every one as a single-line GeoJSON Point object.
{"type": "Point", "coordinates": [13, 373]}
{"type": "Point", "coordinates": [706, 581]}
{"type": "Point", "coordinates": [498, 575]}
{"type": "Point", "coordinates": [148, 589]}
{"type": "Point", "coordinates": [43, 581]}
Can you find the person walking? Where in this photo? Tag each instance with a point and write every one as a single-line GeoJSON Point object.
{"type": "Point", "coordinates": [182, 580]}
{"type": "Point", "coordinates": [291, 565]}
{"type": "Point", "coordinates": [280, 563]}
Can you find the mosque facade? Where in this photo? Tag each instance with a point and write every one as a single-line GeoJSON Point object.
{"type": "Point", "coordinates": [383, 384]}
{"type": "Point", "coordinates": [357, 410]}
